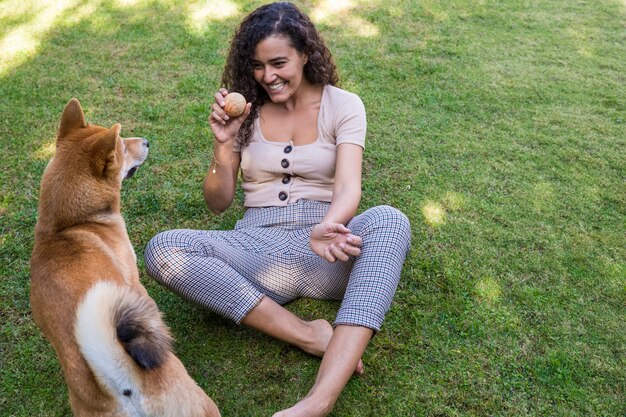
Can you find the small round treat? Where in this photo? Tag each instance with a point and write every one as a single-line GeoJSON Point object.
{"type": "Point", "coordinates": [234, 104]}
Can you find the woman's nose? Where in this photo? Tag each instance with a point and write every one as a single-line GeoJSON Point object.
{"type": "Point", "coordinates": [268, 75]}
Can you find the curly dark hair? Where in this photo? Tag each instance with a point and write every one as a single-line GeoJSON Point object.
{"type": "Point", "coordinates": [284, 19]}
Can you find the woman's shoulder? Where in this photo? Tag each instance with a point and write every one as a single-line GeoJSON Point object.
{"type": "Point", "coordinates": [342, 116]}
{"type": "Point", "coordinates": [340, 104]}
{"type": "Point", "coordinates": [340, 96]}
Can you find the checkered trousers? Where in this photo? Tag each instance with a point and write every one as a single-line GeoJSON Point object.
{"type": "Point", "coordinates": [268, 253]}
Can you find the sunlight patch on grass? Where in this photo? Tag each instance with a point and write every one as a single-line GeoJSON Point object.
{"type": "Point", "coordinates": [126, 3]}
{"type": "Point", "coordinates": [45, 152]}
{"type": "Point", "coordinates": [203, 12]}
{"type": "Point", "coordinates": [328, 8]}
{"type": "Point", "coordinates": [584, 51]}
{"type": "Point", "coordinates": [430, 9]}
{"type": "Point", "coordinates": [340, 13]}
{"type": "Point", "coordinates": [21, 43]}
{"type": "Point", "coordinates": [15, 9]}
{"type": "Point", "coordinates": [488, 290]}
{"type": "Point", "coordinates": [581, 39]}
{"type": "Point", "coordinates": [454, 201]}
{"type": "Point", "coordinates": [434, 214]}
{"type": "Point", "coordinates": [543, 196]}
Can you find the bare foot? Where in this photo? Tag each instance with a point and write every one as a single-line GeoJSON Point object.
{"type": "Point", "coordinates": [306, 407]}
{"type": "Point", "coordinates": [322, 331]}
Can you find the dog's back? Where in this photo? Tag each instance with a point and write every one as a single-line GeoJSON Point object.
{"type": "Point", "coordinates": [86, 297]}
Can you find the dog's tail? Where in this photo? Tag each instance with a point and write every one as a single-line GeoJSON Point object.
{"type": "Point", "coordinates": [115, 323]}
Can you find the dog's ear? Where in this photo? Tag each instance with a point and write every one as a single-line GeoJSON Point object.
{"type": "Point", "coordinates": [104, 150]}
{"type": "Point", "coordinates": [73, 118]}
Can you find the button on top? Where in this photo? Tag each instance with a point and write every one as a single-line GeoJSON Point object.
{"type": "Point", "coordinates": [284, 163]}
{"type": "Point", "coordinates": [282, 196]}
{"type": "Point", "coordinates": [286, 179]}
{"type": "Point", "coordinates": [288, 149]}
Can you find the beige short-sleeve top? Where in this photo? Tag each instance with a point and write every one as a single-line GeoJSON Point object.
{"type": "Point", "coordinates": [279, 173]}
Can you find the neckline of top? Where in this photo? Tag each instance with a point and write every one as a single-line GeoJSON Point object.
{"type": "Point", "coordinates": [257, 127]}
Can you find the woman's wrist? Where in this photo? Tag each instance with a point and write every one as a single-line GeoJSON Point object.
{"type": "Point", "coordinates": [313, 230]}
{"type": "Point", "coordinates": [228, 143]}
{"type": "Point", "coordinates": [223, 156]}
{"type": "Point", "coordinates": [222, 150]}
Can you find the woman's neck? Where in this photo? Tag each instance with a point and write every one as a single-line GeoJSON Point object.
{"type": "Point", "coordinates": [306, 95]}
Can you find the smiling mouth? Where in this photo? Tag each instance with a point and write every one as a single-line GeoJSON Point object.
{"type": "Point", "coordinates": [276, 87]}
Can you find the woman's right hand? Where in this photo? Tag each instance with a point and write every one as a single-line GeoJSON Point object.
{"type": "Point", "coordinates": [224, 127]}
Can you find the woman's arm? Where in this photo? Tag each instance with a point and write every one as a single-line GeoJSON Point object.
{"type": "Point", "coordinates": [331, 239]}
{"type": "Point", "coordinates": [347, 186]}
{"type": "Point", "coordinates": [221, 178]}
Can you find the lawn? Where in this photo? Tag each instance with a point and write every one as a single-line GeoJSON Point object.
{"type": "Point", "coordinates": [498, 127]}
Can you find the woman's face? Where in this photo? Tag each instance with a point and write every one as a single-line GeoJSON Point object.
{"type": "Point", "coordinates": [278, 67]}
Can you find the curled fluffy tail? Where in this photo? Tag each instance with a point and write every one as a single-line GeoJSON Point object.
{"type": "Point", "coordinates": [141, 330]}
{"type": "Point", "coordinates": [118, 330]}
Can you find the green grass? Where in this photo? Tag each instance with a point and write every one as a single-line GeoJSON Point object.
{"type": "Point", "coordinates": [498, 127]}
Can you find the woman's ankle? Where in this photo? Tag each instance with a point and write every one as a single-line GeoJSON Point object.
{"type": "Point", "coordinates": [309, 406]}
{"type": "Point", "coordinates": [317, 337]}
{"type": "Point", "coordinates": [321, 403]}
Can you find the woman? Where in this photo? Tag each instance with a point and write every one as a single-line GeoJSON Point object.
{"type": "Point", "coordinates": [299, 146]}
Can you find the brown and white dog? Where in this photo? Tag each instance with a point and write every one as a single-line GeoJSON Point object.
{"type": "Point", "coordinates": [86, 297]}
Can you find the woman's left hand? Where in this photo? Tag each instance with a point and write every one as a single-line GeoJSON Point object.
{"type": "Point", "coordinates": [333, 241]}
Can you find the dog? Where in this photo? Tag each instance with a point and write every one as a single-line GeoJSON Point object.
{"type": "Point", "coordinates": [85, 295]}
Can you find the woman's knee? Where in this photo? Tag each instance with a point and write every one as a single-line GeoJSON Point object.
{"type": "Point", "coordinates": [388, 220]}
{"type": "Point", "coordinates": [160, 252]}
